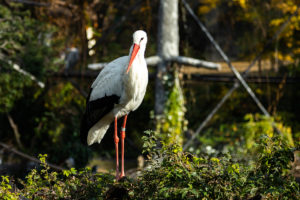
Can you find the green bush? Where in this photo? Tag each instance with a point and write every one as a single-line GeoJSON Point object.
{"type": "Point", "coordinates": [171, 174]}
{"type": "Point", "coordinates": [241, 139]}
{"type": "Point", "coordinates": [174, 174]}
{"type": "Point", "coordinates": [68, 184]}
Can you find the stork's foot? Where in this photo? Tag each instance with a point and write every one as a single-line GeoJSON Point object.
{"type": "Point", "coordinates": [122, 175]}
{"type": "Point", "coordinates": [119, 177]}
{"type": "Point", "coordinates": [123, 179]}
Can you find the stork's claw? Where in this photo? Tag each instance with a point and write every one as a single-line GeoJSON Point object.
{"type": "Point", "coordinates": [122, 178]}
{"type": "Point", "coordinates": [122, 175]}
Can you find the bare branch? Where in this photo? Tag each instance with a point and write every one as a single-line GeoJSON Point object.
{"type": "Point", "coordinates": [4, 44]}
{"type": "Point", "coordinates": [97, 66]}
{"type": "Point", "coordinates": [15, 130]}
{"type": "Point", "coordinates": [195, 62]}
{"type": "Point", "coordinates": [155, 60]}
{"type": "Point", "coordinates": [29, 157]}
{"type": "Point", "coordinates": [18, 69]}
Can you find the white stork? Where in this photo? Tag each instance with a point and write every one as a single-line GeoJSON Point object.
{"type": "Point", "coordinates": [119, 89]}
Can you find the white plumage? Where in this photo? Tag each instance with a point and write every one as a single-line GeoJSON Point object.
{"type": "Point", "coordinates": [116, 89]}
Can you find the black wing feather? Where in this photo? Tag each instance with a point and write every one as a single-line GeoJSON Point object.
{"type": "Point", "coordinates": [95, 110]}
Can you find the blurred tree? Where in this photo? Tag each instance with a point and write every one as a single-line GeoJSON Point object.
{"type": "Point", "coordinates": [38, 117]}
{"type": "Point", "coordinates": [23, 42]}
{"type": "Point", "coordinates": [48, 119]}
{"type": "Point", "coordinates": [169, 102]}
{"type": "Point", "coordinates": [262, 18]}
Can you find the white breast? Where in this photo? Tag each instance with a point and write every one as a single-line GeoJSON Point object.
{"type": "Point", "coordinates": [134, 88]}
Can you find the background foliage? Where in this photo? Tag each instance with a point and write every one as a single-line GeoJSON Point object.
{"type": "Point", "coordinates": [236, 150]}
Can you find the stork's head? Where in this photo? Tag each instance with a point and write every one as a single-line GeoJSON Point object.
{"type": "Point", "coordinates": [139, 44]}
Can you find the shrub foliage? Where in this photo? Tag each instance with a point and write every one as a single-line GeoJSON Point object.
{"type": "Point", "coordinates": [170, 174]}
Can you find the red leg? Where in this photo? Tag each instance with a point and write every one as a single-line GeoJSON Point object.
{"type": "Point", "coordinates": [122, 143]}
{"type": "Point", "coordinates": [116, 139]}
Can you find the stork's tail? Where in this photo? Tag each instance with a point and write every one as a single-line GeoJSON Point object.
{"type": "Point", "coordinates": [97, 132]}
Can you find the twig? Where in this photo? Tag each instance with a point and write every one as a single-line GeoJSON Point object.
{"type": "Point", "coordinates": [4, 44]}
{"type": "Point", "coordinates": [18, 69]}
{"type": "Point", "coordinates": [15, 130]}
{"type": "Point", "coordinates": [29, 157]}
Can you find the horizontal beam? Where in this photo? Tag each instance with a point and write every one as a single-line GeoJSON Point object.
{"type": "Point", "coordinates": [249, 79]}
{"type": "Point", "coordinates": [194, 77]}
{"type": "Point", "coordinates": [155, 60]}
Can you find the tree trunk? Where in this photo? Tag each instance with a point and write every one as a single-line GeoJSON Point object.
{"type": "Point", "coordinates": [169, 107]}
{"type": "Point", "coordinates": [168, 46]}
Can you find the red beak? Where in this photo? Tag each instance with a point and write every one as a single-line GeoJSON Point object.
{"type": "Point", "coordinates": [133, 54]}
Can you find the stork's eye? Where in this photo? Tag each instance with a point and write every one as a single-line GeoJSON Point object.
{"type": "Point", "coordinates": [142, 38]}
